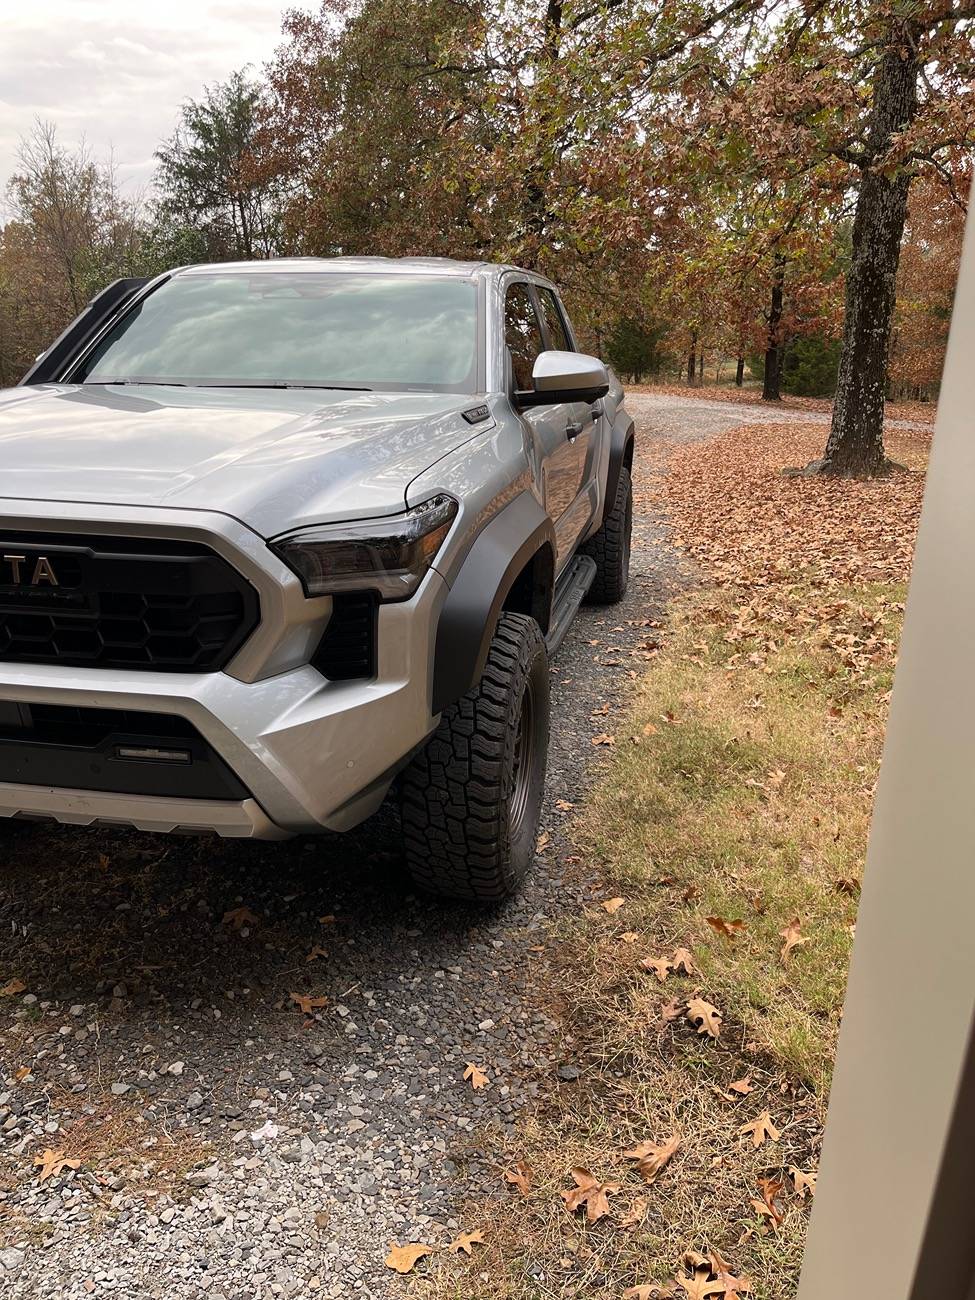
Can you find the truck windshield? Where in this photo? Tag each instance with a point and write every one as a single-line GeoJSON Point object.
{"type": "Point", "coordinates": [305, 329]}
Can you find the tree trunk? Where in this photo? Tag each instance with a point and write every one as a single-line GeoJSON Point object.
{"type": "Point", "coordinates": [700, 369]}
{"type": "Point", "coordinates": [771, 390]}
{"type": "Point", "coordinates": [855, 447]}
{"type": "Point", "coordinates": [692, 361]}
{"type": "Point", "coordinates": [740, 372]}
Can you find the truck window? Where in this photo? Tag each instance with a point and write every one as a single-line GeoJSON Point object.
{"type": "Point", "coordinates": [553, 320]}
{"type": "Point", "coordinates": [522, 334]}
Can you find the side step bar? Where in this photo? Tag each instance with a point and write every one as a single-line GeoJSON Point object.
{"type": "Point", "coordinates": [570, 592]}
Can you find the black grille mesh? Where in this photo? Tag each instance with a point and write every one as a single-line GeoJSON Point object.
{"type": "Point", "coordinates": [122, 603]}
{"type": "Point", "coordinates": [348, 648]}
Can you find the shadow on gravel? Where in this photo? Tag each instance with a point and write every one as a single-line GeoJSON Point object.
{"type": "Point", "coordinates": [128, 919]}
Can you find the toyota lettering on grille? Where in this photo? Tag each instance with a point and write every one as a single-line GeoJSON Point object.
{"type": "Point", "coordinates": [27, 571]}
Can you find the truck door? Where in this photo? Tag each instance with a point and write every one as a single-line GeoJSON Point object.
{"type": "Point", "coordinates": [553, 430]}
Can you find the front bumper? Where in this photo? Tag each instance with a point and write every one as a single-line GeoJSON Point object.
{"type": "Point", "coordinates": [312, 754]}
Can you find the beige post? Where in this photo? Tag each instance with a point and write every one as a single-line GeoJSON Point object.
{"type": "Point", "coordinates": [911, 996]}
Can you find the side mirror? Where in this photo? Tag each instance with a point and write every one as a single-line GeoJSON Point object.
{"type": "Point", "coordinates": [565, 377]}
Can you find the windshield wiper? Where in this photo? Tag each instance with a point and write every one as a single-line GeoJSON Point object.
{"type": "Point", "coordinates": [331, 388]}
{"type": "Point", "coordinates": [161, 383]}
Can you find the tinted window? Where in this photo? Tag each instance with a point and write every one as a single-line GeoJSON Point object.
{"type": "Point", "coordinates": [521, 333]}
{"type": "Point", "coordinates": [553, 320]}
{"type": "Point", "coordinates": [275, 327]}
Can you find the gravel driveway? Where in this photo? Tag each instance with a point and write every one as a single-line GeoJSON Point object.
{"type": "Point", "coordinates": [230, 1144]}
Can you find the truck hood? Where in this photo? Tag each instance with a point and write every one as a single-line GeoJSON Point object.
{"type": "Point", "coordinates": [275, 459]}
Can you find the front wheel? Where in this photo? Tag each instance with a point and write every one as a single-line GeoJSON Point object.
{"type": "Point", "coordinates": [472, 797]}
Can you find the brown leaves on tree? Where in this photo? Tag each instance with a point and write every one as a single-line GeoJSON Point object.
{"type": "Point", "coordinates": [476, 1076]}
{"type": "Point", "coordinates": [761, 1129]}
{"type": "Point", "coordinates": [403, 1259]}
{"type": "Point", "coordinates": [52, 1163]}
{"type": "Point", "coordinates": [520, 1176]}
{"type": "Point", "coordinates": [705, 1017]}
{"type": "Point", "coordinates": [651, 1157]}
{"type": "Point", "coordinates": [792, 938]}
{"type": "Point", "coordinates": [590, 1193]}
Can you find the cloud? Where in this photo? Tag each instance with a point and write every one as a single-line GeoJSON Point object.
{"type": "Point", "coordinates": [116, 73]}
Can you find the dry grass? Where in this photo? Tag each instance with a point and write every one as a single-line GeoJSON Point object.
{"type": "Point", "coordinates": [740, 788]}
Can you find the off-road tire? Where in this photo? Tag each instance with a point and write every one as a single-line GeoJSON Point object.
{"type": "Point", "coordinates": [471, 799]}
{"type": "Point", "coordinates": [610, 547]}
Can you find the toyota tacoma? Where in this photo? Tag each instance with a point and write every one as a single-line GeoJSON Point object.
{"type": "Point", "coordinates": [277, 537]}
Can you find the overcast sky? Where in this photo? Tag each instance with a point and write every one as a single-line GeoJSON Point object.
{"type": "Point", "coordinates": [116, 71]}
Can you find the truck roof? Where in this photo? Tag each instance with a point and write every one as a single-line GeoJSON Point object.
{"type": "Point", "coordinates": [387, 265]}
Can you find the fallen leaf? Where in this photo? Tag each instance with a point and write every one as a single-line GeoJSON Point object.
{"type": "Point", "coordinates": [307, 1003]}
{"type": "Point", "coordinates": [315, 953]}
{"type": "Point", "coordinates": [322, 1218]}
{"type": "Point", "coordinates": [629, 936]}
{"type": "Point", "coordinates": [649, 729]}
{"type": "Point", "coordinates": [636, 1213]}
{"type": "Point", "coordinates": [465, 1241]}
{"type": "Point", "coordinates": [542, 842]}
{"type": "Point", "coordinates": [733, 1286]}
{"type": "Point", "coordinates": [239, 917]}
{"type": "Point", "coordinates": [766, 1207]}
{"type": "Point", "coordinates": [660, 966]}
{"type": "Point", "coordinates": [51, 1163]}
{"type": "Point", "coordinates": [612, 905]}
{"type": "Point", "coordinates": [589, 1192]}
{"type": "Point", "coordinates": [700, 1285]}
{"type": "Point", "coordinates": [652, 1156]}
{"type": "Point", "coordinates": [11, 988]}
{"type": "Point", "coordinates": [684, 961]}
{"type": "Point", "coordinates": [519, 1176]}
{"type": "Point", "coordinates": [744, 1086]}
{"type": "Point", "coordinates": [805, 1184]}
{"type": "Point", "coordinates": [728, 928]}
{"type": "Point", "coordinates": [403, 1258]}
{"type": "Point", "coordinates": [760, 1129]}
{"type": "Point", "coordinates": [845, 886]}
{"type": "Point", "coordinates": [563, 805]}
{"type": "Point", "coordinates": [792, 938]}
{"type": "Point", "coordinates": [603, 739]}
{"type": "Point", "coordinates": [706, 1017]}
{"type": "Point", "coordinates": [477, 1077]}
{"type": "Point", "coordinates": [671, 1010]}
{"type": "Point", "coordinates": [649, 1291]}
{"type": "Point", "coordinates": [21, 1072]}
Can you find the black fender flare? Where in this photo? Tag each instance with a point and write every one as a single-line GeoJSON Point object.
{"type": "Point", "coordinates": [620, 448]}
{"type": "Point", "coordinates": [478, 592]}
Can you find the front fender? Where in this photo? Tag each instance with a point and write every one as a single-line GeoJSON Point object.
{"type": "Point", "coordinates": [499, 554]}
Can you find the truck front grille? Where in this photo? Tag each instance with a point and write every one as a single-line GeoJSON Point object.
{"type": "Point", "coordinates": [120, 602]}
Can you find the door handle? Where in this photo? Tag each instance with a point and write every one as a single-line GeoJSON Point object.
{"type": "Point", "coordinates": [573, 429]}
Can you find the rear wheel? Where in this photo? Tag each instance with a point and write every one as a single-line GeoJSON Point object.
{"type": "Point", "coordinates": [471, 799]}
{"type": "Point", "coordinates": [610, 547]}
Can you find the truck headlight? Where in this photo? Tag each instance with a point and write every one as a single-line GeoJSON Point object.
{"type": "Point", "coordinates": [389, 555]}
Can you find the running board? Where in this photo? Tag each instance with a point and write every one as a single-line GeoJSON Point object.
{"type": "Point", "coordinates": [570, 592]}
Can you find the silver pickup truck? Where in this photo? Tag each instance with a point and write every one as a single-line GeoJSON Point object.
{"type": "Point", "coordinates": [276, 537]}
